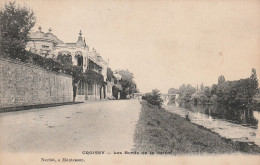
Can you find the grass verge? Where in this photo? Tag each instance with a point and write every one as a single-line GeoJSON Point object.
{"type": "Point", "coordinates": [162, 132]}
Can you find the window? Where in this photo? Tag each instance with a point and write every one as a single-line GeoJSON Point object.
{"type": "Point", "coordinates": [44, 52]}
{"type": "Point", "coordinates": [80, 61]}
{"type": "Point", "coordinates": [79, 57]}
{"type": "Point", "coordinates": [45, 46]}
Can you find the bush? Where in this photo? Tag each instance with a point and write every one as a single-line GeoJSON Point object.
{"type": "Point", "coordinates": [153, 98]}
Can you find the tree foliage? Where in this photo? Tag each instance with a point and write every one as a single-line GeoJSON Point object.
{"type": "Point", "coordinates": [231, 93]}
{"type": "Point", "coordinates": [221, 79]}
{"type": "Point", "coordinates": [127, 83]}
{"type": "Point", "coordinates": [185, 92]}
{"type": "Point", "coordinates": [110, 74]}
{"type": "Point", "coordinates": [93, 76]}
{"type": "Point", "coordinates": [154, 98]}
{"type": "Point", "coordinates": [16, 22]}
{"type": "Point", "coordinates": [173, 91]}
{"type": "Point", "coordinates": [253, 83]}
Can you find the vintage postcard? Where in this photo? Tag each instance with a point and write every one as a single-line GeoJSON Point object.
{"type": "Point", "coordinates": [129, 82]}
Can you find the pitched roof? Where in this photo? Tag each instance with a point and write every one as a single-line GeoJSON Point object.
{"type": "Point", "coordinates": [79, 43]}
{"type": "Point", "coordinates": [100, 59]}
{"type": "Point", "coordinates": [39, 35]}
{"type": "Point", "coordinates": [70, 44]}
{"type": "Point", "coordinates": [93, 56]}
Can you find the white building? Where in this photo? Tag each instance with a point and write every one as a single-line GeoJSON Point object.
{"type": "Point", "coordinates": [43, 43]}
{"type": "Point", "coordinates": [92, 64]}
{"type": "Point", "coordinates": [114, 87]}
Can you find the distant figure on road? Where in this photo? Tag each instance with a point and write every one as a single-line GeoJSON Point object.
{"type": "Point", "coordinates": [187, 116]}
{"type": "Point", "coordinates": [74, 92]}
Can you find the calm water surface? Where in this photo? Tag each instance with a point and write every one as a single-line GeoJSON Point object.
{"type": "Point", "coordinates": [236, 124]}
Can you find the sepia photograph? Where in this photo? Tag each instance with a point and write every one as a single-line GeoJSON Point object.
{"type": "Point", "coordinates": [129, 82]}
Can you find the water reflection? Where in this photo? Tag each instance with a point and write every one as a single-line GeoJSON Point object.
{"type": "Point", "coordinates": [234, 123]}
{"type": "Point", "coordinates": [234, 115]}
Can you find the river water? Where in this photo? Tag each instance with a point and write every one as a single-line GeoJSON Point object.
{"type": "Point", "coordinates": [235, 124]}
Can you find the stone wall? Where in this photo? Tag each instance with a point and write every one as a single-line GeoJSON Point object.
{"type": "Point", "coordinates": [24, 84]}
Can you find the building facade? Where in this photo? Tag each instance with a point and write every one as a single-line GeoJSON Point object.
{"type": "Point", "coordinates": [113, 86]}
{"type": "Point", "coordinates": [91, 63]}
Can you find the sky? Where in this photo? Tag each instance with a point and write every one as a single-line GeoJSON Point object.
{"type": "Point", "coordinates": [163, 43]}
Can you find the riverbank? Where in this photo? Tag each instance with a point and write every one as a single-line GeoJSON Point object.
{"type": "Point", "coordinates": [160, 131]}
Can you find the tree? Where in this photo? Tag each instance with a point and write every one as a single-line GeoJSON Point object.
{"type": "Point", "coordinates": [207, 91]}
{"type": "Point", "coordinates": [126, 75]}
{"type": "Point", "coordinates": [127, 83]}
{"type": "Point", "coordinates": [238, 93]}
{"type": "Point", "coordinates": [154, 98]}
{"type": "Point", "coordinates": [201, 97]}
{"type": "Point", "coordinates": [253, 89]}
{"type": "Point", "coordinates": [185, 92]}
{"type": "Point", "coordinates": [214, 99]}
{"type": "Point", "coordinates": [221, 79]}
{"type": "Point", "coordinates": [213, 89]}
{"type": "Point", "coordinates": [201, 87]}
{"type": "Point", "coordinates": [173, 91]}
{"type": "Point", "coordinates": [16, 22]}
{"type": "Point", "coordinates": [188, 92]}
{"type": "Point", "coordinates": [110, 74]}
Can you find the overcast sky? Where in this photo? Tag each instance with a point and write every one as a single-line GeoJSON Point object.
{"type": "Point", "coordinates": [164, 43]}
